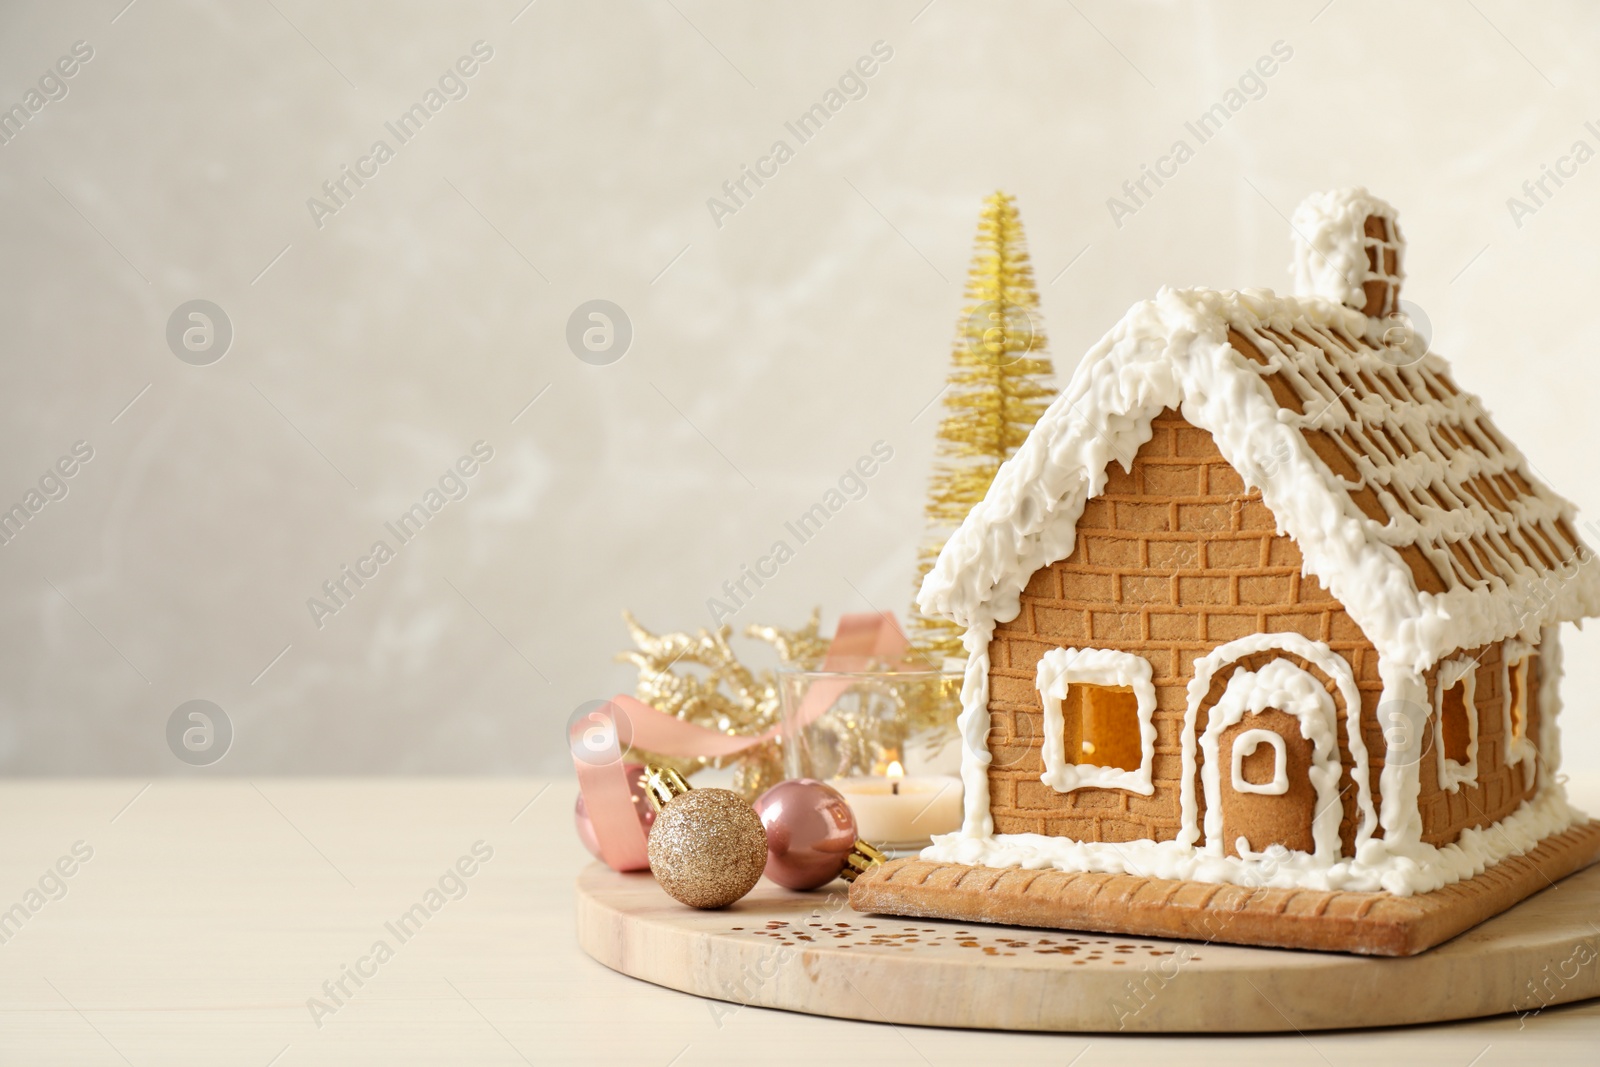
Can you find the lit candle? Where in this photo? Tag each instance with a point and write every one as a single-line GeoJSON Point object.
{"type": "Point", "coordinates": [895, 811]}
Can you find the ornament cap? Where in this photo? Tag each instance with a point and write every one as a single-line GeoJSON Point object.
{"type": "Point", "coordinates": [663, 785]}
{"type": "Point", "coordinates": [862, 859]}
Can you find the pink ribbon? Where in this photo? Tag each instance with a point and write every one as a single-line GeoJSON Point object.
{"type": "Point", "coordinates": [860, 642]}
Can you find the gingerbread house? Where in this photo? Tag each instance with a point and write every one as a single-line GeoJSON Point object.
{"type": "Point", "coordinates": [1262, 633]}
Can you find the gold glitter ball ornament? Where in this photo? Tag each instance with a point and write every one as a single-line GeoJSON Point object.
{"type": "Point", "coordinates": [708, 848]}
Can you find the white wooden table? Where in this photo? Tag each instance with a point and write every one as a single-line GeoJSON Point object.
{"type": "Point", "coordinates": [212, 910]}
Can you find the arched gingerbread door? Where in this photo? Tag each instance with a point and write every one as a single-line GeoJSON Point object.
{"type": "Point", "coordinates": [1267, 797]}
{"type": "Point", "coordinates": [1271, 765]}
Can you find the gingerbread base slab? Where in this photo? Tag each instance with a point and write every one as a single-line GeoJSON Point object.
{"type": "Point", "coordinates": [1371, 924]}
{"type": "Point", "coordinates": [810, 952]}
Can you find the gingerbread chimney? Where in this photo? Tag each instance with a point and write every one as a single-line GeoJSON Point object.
{"type": "Point", "coordinates": [1348, 249]}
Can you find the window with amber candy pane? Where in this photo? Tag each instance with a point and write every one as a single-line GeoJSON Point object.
{"type": "Point", "coordinates": [1102, 724]}
{"type": "Point", "coordinates": [1453, 723]}
{"type": "Point", "coordinates": [1519, 699]}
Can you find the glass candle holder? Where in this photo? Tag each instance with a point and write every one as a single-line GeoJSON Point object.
{"type": "Point", "coordinates": [886, 740]}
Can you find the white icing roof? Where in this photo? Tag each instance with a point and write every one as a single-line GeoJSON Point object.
{"type": "Point", "coordinates": [1423, 473]}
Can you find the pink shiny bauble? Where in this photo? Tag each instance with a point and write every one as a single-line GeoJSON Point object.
{"type": "Point", "coordinates": [810, 832]}
{"type": "Point", "coordinates": [641, 808]}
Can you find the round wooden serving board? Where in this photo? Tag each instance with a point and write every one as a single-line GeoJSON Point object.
{"type": "Point", "coordinates": [810, 952]}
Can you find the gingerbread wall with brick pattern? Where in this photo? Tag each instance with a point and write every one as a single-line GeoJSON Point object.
{"type": "Point", "coordinates": [1172, 560]}
{"type": "Point", "coordinates": [1499, 787]}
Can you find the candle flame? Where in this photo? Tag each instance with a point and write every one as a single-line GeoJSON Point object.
{"type": "Point", "coordinates": [895, 770]}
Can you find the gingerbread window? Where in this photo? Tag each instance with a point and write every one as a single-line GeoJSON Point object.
{"type": "Point", "coordinates": [1247, 750]}
{"type": "Point", "coordinates": [1518, 679]}
{"type": "Point", "coordinates": [1455, 722]}
{"type": "Point", "coordinates": [1099, 732]}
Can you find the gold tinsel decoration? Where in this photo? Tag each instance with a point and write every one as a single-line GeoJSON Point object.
{"type": "Point", "coordinates": [699, 678]}
{"type": "Point", "coordinates": [724, 694]}
{"type": "Point", "coordinates": [999, 387]}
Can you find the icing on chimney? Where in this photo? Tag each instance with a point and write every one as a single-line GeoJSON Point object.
{"type": "Point", "coordinates": [1348, 249]}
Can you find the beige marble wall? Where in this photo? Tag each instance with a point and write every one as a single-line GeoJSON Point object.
{"type": "Point", "coordinates": [775, 339]}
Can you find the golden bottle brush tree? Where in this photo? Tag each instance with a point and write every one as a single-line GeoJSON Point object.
{"type": "Point", "coordinates": [1000, 383]}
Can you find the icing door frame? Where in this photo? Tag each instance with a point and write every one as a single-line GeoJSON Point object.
{"type": "Point", "coordinates": [1280, 685]}
{"type": "Point", "coordinates": [1330, 665]}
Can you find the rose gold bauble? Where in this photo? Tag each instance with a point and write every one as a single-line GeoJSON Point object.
{"type": "Point", "coordinates": [810, 832]}
{"type": "Point", "coordinates": [707, 848]}
{"type": "Point", "coordinates": [641, 808]}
